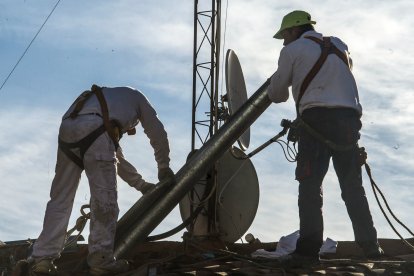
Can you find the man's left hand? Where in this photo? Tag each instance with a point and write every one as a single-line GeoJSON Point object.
{"type": "Point", "coordinates": [146, 187]}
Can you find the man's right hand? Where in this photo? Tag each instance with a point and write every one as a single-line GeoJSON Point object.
{"type": "Point", "coordinates": [146, 187]}
{"type": "Point", "coordinates": [166, 174]}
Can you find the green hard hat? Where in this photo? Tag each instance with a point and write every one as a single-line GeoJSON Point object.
{"type": "Point", "coordinates": [293, 19]}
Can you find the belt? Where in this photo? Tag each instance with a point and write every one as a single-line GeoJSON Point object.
{"type": "Point", "coordinates": [96, 114]}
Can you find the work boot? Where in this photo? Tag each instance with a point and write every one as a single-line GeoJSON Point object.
{"type": "Point", "coordinates": [43, 267]}
{"type": "Point", "coordinates": [116, 267]}
{"type": "Point", "coordinates": [372, 249]}
{"type": "Point", "coordinates": [295, 260]}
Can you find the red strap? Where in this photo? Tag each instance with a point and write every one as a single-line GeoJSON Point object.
{"type": "Point", "coordinates": [333, 49]}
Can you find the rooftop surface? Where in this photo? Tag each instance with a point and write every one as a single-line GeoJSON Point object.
{"type": "Point", "coordinates": [216, 258]}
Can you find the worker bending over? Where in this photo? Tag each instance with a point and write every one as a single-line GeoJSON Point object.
{"type": "Point", "coordinates": [88, 140]}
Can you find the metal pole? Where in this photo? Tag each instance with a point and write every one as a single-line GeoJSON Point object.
{"type": "Point", "coordinates": [193, 116]}
{"type": "Point", "coordinates": [140, 226]}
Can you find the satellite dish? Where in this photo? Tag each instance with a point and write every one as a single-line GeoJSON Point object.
{"type": "Point", "coordinates": [237, 198]}
{"type": "Point", "coordinates": [236, 91]}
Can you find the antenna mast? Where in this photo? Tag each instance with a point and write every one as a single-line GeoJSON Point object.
{"type": "Point", "coordinates": [205, 109]}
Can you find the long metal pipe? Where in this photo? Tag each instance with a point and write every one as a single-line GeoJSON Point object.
{"type": "Point", "coordinates": [137, 225]}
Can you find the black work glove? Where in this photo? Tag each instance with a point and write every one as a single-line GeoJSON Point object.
{"type": "Point", "coordinates": [166, 174]}
{"type": "Point", "coordinates": [146, 187]}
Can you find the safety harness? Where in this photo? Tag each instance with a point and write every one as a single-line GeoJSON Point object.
{"type": "Point", "coordinates": [109, 126]}
{"type": "Point", "coordinates": [327, 48]}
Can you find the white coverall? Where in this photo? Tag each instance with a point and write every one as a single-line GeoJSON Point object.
{"type": "Point", "coordinates": [128, 107]}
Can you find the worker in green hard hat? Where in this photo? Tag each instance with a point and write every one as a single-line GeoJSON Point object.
{"type": "Point", "coordinates": [318, 70]}
{"type": "Point", "coordinates": [294, 19]}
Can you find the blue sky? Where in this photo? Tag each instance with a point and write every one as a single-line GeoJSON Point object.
{"type": "Point", "coordinates": [139, 44]}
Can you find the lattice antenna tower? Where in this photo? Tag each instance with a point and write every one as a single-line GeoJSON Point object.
{"type": "Point", "coordinates": [206, 53]}
{"type": "Point", "coordinates": [205, 110]}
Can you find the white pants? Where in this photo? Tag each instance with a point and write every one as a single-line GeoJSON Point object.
{"type": "Point", "coordinates": [100, 168]}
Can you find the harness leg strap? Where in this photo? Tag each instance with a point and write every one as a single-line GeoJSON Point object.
{"type": "Point", "coordinates": [69, 153]}
{"type": "Point", "coordinates": [83, 145]}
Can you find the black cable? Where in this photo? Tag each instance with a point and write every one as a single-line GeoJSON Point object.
{"type": "Point", "coordinates": [374, 188]}
{"type": "Point", "coordinates": [206, 195]}
{"type": "Point", "coordinates": [30, 44]}
{"type": "Point", "coordinates": [261, 147]}
{"type": "Point", "coordinates": [176, 229]}
{"type": "Point", "coordinates": [290, 154]}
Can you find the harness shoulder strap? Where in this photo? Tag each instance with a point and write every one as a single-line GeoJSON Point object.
{"type": "Point", "coordinates": [80, 101]}
{"type": "Point", "coordinates": [327, 48]}
{"type": "Point", "coordinates": [333, 49]}
{"type": "Point", "coordinates": [105, 114]}
{"type": "Point", "coordinates": [326, 44]}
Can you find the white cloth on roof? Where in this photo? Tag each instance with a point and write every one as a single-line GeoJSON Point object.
{"type": "Point", "coordinates": [287, 244]}
{"type": "Point", "coordinates": [333, 86]}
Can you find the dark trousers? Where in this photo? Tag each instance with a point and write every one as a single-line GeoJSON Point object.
{"type": "Point", "coordinates": [340, 125]}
